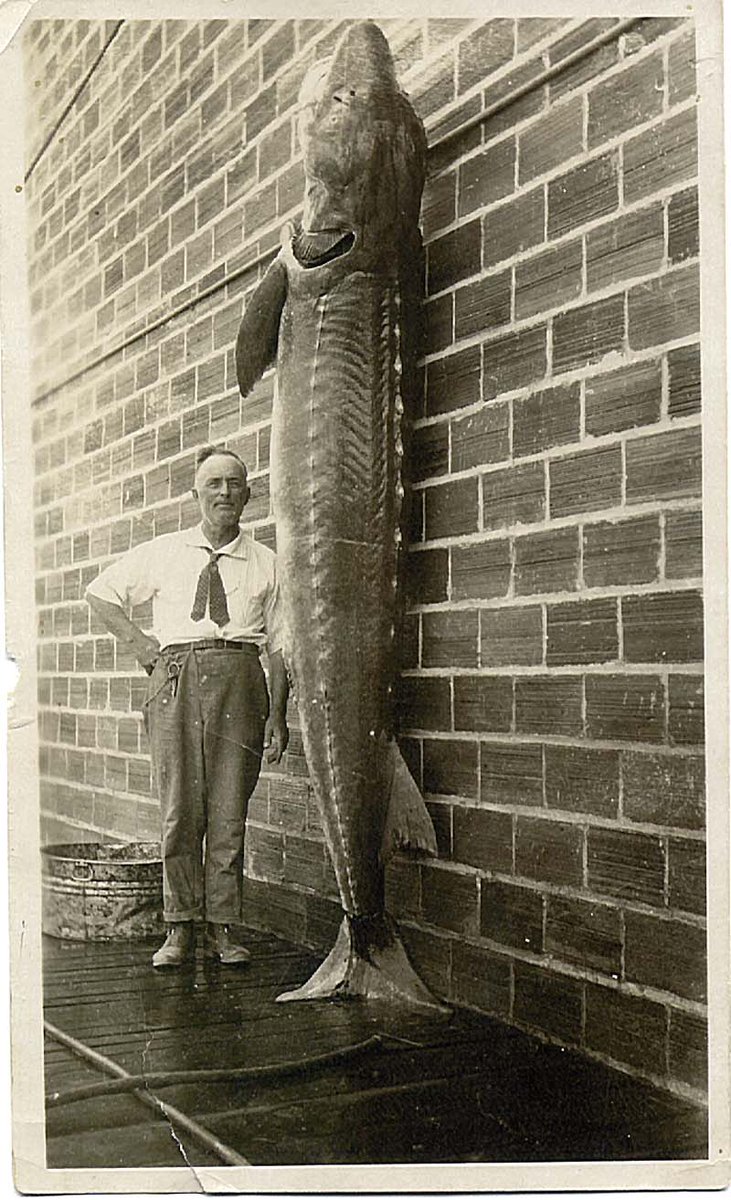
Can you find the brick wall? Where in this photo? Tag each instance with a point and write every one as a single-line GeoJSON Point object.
{"type": "Point", "coordinates": [552, 689]}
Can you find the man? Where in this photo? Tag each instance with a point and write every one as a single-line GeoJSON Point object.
{"type": "Point", "coordinates": [208, 716]}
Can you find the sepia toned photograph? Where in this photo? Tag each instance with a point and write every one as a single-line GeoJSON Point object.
{"type": "Point", "coordinates": [369, 776]}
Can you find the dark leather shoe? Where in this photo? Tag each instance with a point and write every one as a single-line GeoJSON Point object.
{"type": "Point", "coordinates": [222, 946]}
{"type": "Point", "coordinates": [179, 946]}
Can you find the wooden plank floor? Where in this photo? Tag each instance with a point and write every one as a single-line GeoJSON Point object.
{"type": "Point", "coordinates": [465, 1089]}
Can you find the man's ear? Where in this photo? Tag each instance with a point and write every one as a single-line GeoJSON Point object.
{"type": "Point", "coordinates": [247, 495]}
{"type": "Point", "coordinates": [194, 492]}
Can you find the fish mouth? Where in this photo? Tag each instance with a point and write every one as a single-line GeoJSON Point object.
{"type": "Point", "coordinates": [314, 248]}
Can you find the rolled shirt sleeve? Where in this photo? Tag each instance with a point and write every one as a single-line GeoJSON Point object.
{"type": "Point", "coordinates": [129, 581]}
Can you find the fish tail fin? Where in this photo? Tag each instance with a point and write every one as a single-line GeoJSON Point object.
{"type": "Point", "coordinates": [408, 825]}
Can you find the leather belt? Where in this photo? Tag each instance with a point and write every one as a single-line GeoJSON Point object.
{"type": "Point", "coordinates": [211, 644]}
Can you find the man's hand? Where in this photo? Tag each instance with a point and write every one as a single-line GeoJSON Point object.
{"type": "Point", "coordinates": [276, 738]}
{"type": "Point", "coordinates": [147, 651]}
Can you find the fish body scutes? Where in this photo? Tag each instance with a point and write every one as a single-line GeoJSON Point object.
{"type": "Point", "coordinates": [336, 491]}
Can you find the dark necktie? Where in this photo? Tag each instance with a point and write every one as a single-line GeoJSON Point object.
{"type": "Point", "coordinates": [210, 593]}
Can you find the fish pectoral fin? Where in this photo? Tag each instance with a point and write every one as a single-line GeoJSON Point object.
{"type": "Point", "coordinates": [258, 336]}
{"type": "Point", "coordinates": [408, 825]}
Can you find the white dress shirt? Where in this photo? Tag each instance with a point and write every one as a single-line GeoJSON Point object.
{"type": "Point", "coordinates": [166, 570]}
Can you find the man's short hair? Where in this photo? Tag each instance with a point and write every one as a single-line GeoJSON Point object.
{"type": "Point", "coordinates": [208, 452]}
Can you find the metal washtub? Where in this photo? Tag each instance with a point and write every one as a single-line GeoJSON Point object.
{"type": "Point", "coordinates": [102, 891]}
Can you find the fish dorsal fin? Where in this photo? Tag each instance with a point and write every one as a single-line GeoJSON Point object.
{"type": "Point", "coordinates": [408, 825]}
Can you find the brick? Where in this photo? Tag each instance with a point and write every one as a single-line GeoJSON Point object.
{"type": "Point", "coordinates": [623, 249]}
{"type": "Point", "coordinates": [430, 451]}
{"type": "Point", "coordinates": [453, 257]}
{"type": "Point", "coordinates": [549, 280]}
{"type": "Point", "coordinates": [449, 639]}
{"type": "Point", "coordinates": [582, 631]}
{"type": "Point", "coordinates": [688, 1049]}
{"type": "Point", "coordinates": [585, 481]}
{"type": "Point", "coordinates": [548, 704]}
{"type": "Point", "coordinates": [664, 466]}
{"type": "Point", "coordinates": [424, 703]}
{"type": "Point", "coordinates": [488, 47]}
{"type": "Point", "coordinates": [547, 562]}
{"type": "Point", "coordinates": [683, 544]}
{"type": "Point", "coordinates": [483, 437]}
{"type": "Point", "coordinates": [453, 382]}
{"type": "Point", "coordinates": [663, 627]}
{"type": "Point", "coordinates": [513, 361]}
{"type": "Point", "coordinates": [649, 29]}
{"type": "Point", "coordinates": [482, 305]}
{"type": "Point", "coordinates": [587, 334]}
{"type": "Point", "coordinates": [534, 29]}
{"type": "Point", "coordinates": [625, 707]}
{"type": "Point", "coordinates": [681, 69]}
{"type": "Point", "coordinates": [403, 887]}
{"type": "Point", "coordinates": [513, 496]}
{"type": "Point", "coordinates": [580, 780]}
{"type": "Point", "coordinates": [669, 955]}
{"type": "Point", "coordinates": [436, 86]}
{"type": "Point", "coordinates": [630, 866]}
{"type": "Point", "coordinates": [685, 710]}
{"type": "Point", "coordinates": [621, 552]}
{"type": "Point", "coordinates": [486, 177]}
{"type": "Point", "coordinates": [449, 900]}
{"type": "Point", "coordinates": [593, 64]}
{"type": "Point", "coordinates": [511, 773]}
{"type": "Point", "coordinates": [683, 233]}
{"type": "Point", "coordinates": [551, 1003]}
{"type": "Point", "coordinates": [687, 875]}
{"type": "Point", "coordinates": [450, 767]}
{"type": "Point", "coordinates": [439, 323]}
{"type": "Point", "coordinates": [626, 100]}
{"type": "Point", "coordinates": [511, 915]}
{"type": "Point", "coordinates": [584, 933]}
{"type": "Point", "coordinates": [627, 1029]}
{"type": "Point", "coordinates": [684, 370]}
{"type": "Point", "coordinates": [583, 194]}
{"type": "Point", "coordinates": [483, 703]}
{"type": "Point", "coordinates": [451, 508]}
{"type": "Point", "coordinates": [439, 204]}
{"type": "Point", "coordinates": [260, 112]}
{"type": "Point", "coordinates": [513, 227]}
{"type": "Point", "coordinates": [546, 418]}
{"type": "Point", "coordinates": [511, 636]}
{"type": "Point", "coordinates": [623, 399]}
{"type": "Point", "coordinates": [426, 576]}
{"type": "Point", "coordinates": [480, 570]}
{"type": "Point", "coordinates": [664, 309]}
{"type": "Point", "coordinates": [660, 156]}
{"type": "Point", "coordinates": [549, 851]}
{"type": "Point", "coordinates": [480, 979]}
{"type": "Point", "coordinates": [483, 839]}
{"type": "Point", "coordinates": [664, 789]}
{"type": "Point", "coordinates": [552, 140]}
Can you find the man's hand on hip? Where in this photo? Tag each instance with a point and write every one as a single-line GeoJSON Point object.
{"type": "Point", "coordinates": [147, 651]}
{"type": "Point", "coordinates": [276, 737]}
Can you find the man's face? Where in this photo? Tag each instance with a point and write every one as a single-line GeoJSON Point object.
{"type": "Point", "coordinates": [221, 490]}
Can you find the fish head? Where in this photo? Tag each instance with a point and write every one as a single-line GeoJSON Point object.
{"type": "Point", "coordinates": [364, 146]}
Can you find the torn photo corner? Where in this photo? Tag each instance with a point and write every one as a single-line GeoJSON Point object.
{"type": "Point", "coordinates": [366, 597]}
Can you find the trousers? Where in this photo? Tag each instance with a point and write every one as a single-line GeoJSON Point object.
{"type": "Point", "coordinates": [205, 714]}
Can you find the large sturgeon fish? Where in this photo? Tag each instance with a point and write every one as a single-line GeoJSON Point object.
{"type": "Point", "coordinates": [339, 310]}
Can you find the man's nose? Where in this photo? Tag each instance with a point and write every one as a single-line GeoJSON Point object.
{"type": "Point", "coordinates": [225, 488]}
